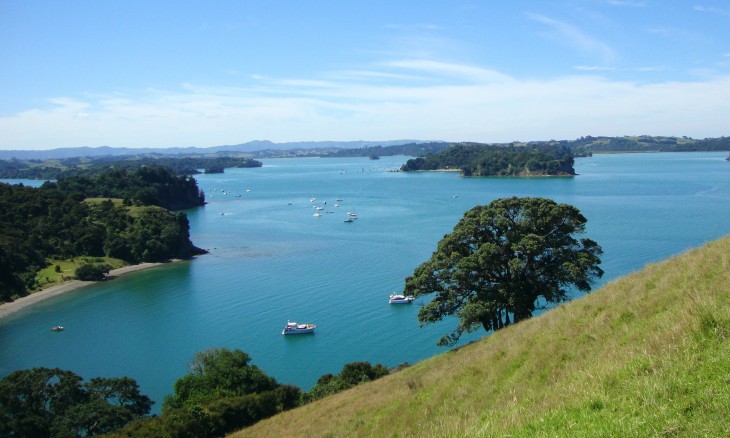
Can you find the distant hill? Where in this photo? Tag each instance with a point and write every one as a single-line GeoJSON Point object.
{"type": "Point", "coordinates": [646, 355]}
{"type": "Point", "coordinates": [264, 148]}
{"type": "Point", "coordinates": [252, 146]}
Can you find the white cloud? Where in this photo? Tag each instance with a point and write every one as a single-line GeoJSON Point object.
{"type": "Point", "coordinates": [463, 103]}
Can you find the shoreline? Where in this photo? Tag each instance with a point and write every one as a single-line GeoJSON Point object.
{"type": "Point", "coordinates": [71, 285]}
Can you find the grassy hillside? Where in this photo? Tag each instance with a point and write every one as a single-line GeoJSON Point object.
{"type": "Point", "coordinates": [646, 355]}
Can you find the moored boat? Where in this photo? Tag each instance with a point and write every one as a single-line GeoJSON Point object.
{"type": "Point", "coordinates": [400, 299]}
{"type": "Point", "coordinates": [292, 328]}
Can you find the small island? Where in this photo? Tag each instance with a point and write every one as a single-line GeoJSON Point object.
{"type": "Point", "coordinates": [473, 159]}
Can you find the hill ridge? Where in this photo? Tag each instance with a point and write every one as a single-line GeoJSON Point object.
{"type": "Point", "coordinates": [647, 354]}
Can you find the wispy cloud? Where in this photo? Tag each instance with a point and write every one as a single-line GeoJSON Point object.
{"type": "Point", "coordinates": [712, 10]}
{"type": "Point", "coordinates": [466, 103]}
{"type": "Point", "coordinates": [631, 4]}
{"type": "Point", "coordinates": [575, 37]}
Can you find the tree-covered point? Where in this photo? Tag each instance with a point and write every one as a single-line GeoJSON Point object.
{"type": "Point", "coordinates": [55, 222]}
{"type": "Point", "coordinates": [486, 160]}
{"type": "Point", "coordinates": [67, 167]}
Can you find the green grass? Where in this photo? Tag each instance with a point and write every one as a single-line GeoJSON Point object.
{"type": "Point", "coordinates": [48, 276]}
{"type": "Point", "coordinates": [646, 355]}
{"type": "Point", "coordinates": [118, 202]}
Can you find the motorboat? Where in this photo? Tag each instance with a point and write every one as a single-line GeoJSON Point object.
{"type": "Point", "coordinates": [349, 219]}
{"type": "Point", "coordinates": [292, 328]}
{"type": "Point", "coordinates": [400, 299]}
{"type": "Point", "coordinates": [58, 328]}
{"type": "Point", "coordinates": [317, 214]}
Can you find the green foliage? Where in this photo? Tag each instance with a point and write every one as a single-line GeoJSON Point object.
{"type": "Point", "coordinates": [93, 271]}
{"type": "Point", "coordinates": [218, 373]}
{"type": "Point", "coordinates": [54, 402]}
{"type": "Point", "coordinates": [352, 374]}
{"type": "Point", "coordinates": [500, 260]}
{"type": "Point", "coordinates": [484, 160]}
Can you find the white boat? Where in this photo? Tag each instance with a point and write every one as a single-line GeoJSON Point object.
{"type": "Point", "coordinates": [58, 328]}
{"type": "Point", "coordinates": [400, 299]}
{"type": "Point", "coordinates": [317, 214]}
{"type": "Point", "coordinates": [292, 328]}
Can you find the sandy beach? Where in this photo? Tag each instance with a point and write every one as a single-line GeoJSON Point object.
{"type": "Point", "coordinates": [36, 297]}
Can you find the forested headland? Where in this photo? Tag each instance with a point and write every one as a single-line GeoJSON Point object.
{"type": "Point", "coordinates": [489, 160]}
{"type": "Point", "coordinates": [53, 169]}
{"type": "Point", "coordinates": [123, 215]}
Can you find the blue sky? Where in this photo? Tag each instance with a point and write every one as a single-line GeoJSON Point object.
{"type": "Point", "coordinates": [161, 73]}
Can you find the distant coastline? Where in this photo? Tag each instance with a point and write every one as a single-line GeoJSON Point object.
{"type": "Point", "coordinates": [71, 285]}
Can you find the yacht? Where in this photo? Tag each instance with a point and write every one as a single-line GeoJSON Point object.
{"type": "Point", "coordinates": [292, 328]}
{"type": "Point", "coordinates": [400, 299]}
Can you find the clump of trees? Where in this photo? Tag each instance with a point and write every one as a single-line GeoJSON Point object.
{"type": "Point", "coordinates": [501, 261]}
{"type": "Point", "coordinates": [492, 160]}
{"type": "Point", "coordinates": [222, 393]}
{"type": "Point", "coordinates": [44, 402]}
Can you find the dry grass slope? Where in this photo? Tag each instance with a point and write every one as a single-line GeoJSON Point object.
{"type": "Point", "coordinates": [646, 355]}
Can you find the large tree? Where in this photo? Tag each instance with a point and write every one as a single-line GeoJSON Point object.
{"type": "Point", "coordinates": [501, 261]}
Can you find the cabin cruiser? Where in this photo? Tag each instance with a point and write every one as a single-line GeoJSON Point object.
{"type": "Point", "coordinates": [400, 299]}
{"type": "Point", "coordinates": [292, 328]}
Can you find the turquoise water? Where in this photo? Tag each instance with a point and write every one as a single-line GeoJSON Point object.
{"type": "Point", "coordinates": [270, 262]}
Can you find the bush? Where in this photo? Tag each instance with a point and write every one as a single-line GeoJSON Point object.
{"type": "Point", "coordinates": [93, 272]}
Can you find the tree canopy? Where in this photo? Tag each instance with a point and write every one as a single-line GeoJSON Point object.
{"type": "Point", "coordinates": [55, 402]}
{"type": "Point", "coordinates": [501, 261]}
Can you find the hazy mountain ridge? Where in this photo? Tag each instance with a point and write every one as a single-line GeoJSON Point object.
{"type": "Point", "coordinates": [251, 146]}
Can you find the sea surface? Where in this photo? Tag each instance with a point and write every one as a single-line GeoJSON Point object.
{"type": "Point", "coordinates": [272, 261]}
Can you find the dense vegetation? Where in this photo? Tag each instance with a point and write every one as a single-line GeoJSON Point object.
{"type": "Point", "coordinates": [59, 221]}
{"type": "Point", "coordinates": [67, 167]}
{"type": "Point", "coordinates": [44, 402]}
{"type": "Point", "coordinates": [484, 160]}
{"type": "Point", "coordinates": [645, 355]}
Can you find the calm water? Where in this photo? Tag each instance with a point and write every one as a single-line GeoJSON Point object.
{"type": "Point", "coordinates": [270, 262]}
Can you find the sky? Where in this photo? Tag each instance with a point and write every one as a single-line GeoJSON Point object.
{"type": "Point", "coordinates": [175, 74]}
